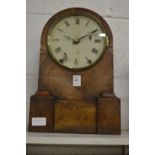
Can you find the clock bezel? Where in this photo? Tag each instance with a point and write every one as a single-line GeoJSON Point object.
{"type": "Point", "coordinates": [76, 12]}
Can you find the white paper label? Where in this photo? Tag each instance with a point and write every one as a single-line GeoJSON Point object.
{"type": "Point", "coordinates": [76, 80]}
{"type": "Point", "coordinates": [39, 121]}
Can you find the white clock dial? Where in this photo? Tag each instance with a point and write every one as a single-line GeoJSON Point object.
{"type": "Point", "coordinates": [76, 42]}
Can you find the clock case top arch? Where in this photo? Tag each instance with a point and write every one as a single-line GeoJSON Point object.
{"type": "Point", "coordinates": [58, 80]}
{"type": "Point", "coordinates": [77, 12]}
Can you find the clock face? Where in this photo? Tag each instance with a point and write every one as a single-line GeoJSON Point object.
{"type": "Point", "coordinates": [76, 42]}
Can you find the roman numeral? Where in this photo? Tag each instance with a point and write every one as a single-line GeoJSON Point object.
{"type": "Point", "coordinates": [60, 30]}
{"type": "Point", "coordinates": [64, 59]}
{"type": "Point", "coordinates": [58, 50]}
{"type": "Point", "coordinates": [88, 60]}
{"type": "Point", "coordinates": [66, 23]}
{"type": "Point", "coordinates": [90, 37]}
{"type": "Point", "coordinates": [87, 23]}
{"type": "Point", "coordinates": [61, 60]}
{"type": "Point", "coordinates": [77, 20]}
{"type": "Point", "coordinates": [95, 51]}
{"type": "Point", "coordinates": [76, 62]}
{"type": "Point", "coordinates": [97, 40]}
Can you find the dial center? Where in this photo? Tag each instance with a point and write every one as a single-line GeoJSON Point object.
{"type": "Point", "coordinates": [76, 40]}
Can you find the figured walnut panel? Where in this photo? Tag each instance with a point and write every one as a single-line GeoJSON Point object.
{"type": "Point", "coordinates": [108, 115]}
{"type": "Point", "coordinates": [93, 81]}
{"type": "Point", "coordinates": [77, 116]}
{"type": "Point", "coordinates": [41, 105]}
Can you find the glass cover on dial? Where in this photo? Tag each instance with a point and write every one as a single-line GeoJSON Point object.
{"type": "Point", "coordinates": [76, 42]}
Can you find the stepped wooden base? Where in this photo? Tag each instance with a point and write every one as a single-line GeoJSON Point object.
{"type": "Point", "coordinates": [100, 116]}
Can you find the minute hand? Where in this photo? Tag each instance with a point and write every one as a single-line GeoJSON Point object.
{"type": "Point", "coordinates": [88, 34]}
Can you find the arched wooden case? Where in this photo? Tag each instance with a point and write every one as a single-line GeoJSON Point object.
{"type": "Point", "coordinates": [61, 107]}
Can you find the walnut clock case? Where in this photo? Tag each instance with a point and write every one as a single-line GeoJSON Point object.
{"type": "Point", "coordinates": [75, 88]}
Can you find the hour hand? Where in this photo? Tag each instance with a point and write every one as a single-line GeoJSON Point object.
{"type": "Point", "coordinates": [88, 34]}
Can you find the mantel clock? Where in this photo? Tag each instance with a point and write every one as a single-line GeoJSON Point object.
{"type": "Point", "coordinates": [75, 88]}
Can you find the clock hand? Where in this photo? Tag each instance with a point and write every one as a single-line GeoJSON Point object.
{"type": "Point", "coordinates": [88, 34]}
{"type": "Point", "coordinates": [94, 31]}
{"type": "Point", "coordinates": [75, 41]}
{"type": "Point", "coordinates": [83, 36]}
